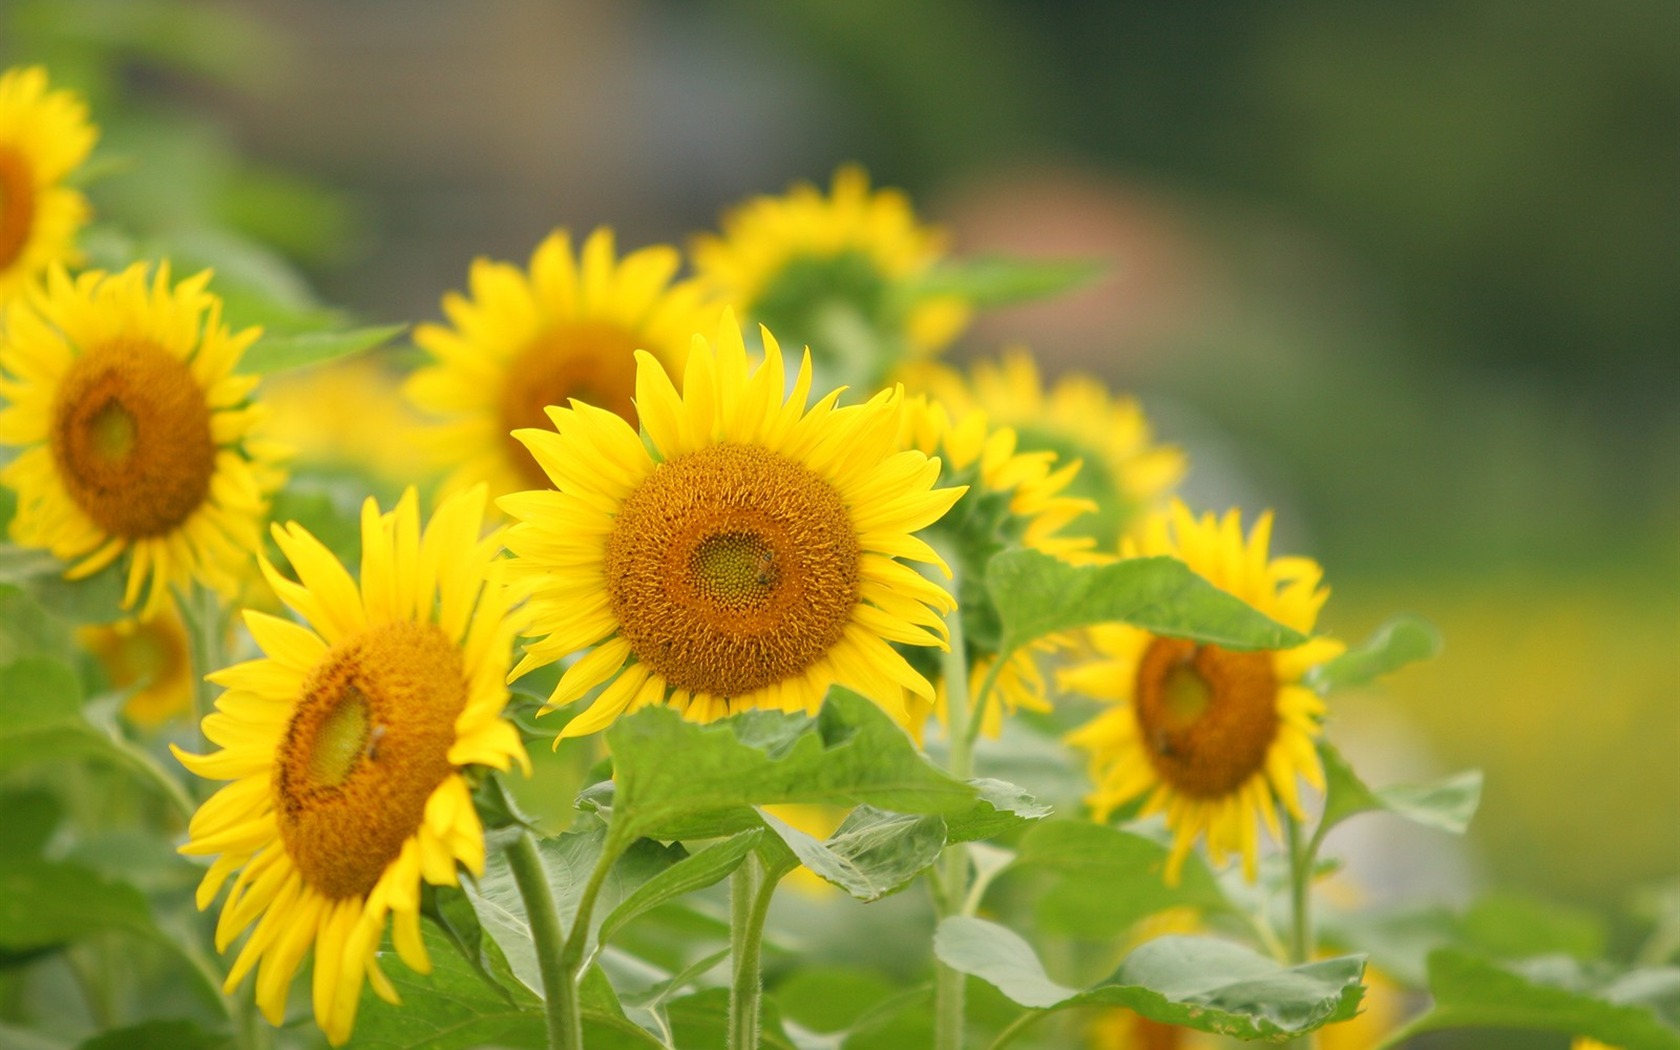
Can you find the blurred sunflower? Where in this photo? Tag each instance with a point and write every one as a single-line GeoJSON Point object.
{"type": "Point", "coordinates": [151, 657]}
{"type": "Point", "coordinates": [815, 267]}
{"type": "Point", "coordinates": [745, 556]}
{"type": "Point", "coordinates": [345, 415]}
{"type": "Point", "coordinates": [136, 435]}
{"type": "Point", "coordinates": [345, 746]}
{"type": "Point", "coordinates": [565, 330]}
{"type": "Point", "coordinates": [44, 135]}
{"type": "Point", "coordinates": [1127, 475]}
{"type": "Point", "coordinates": [1213, 737]}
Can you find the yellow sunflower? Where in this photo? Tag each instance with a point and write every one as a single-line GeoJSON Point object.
{"type": "Point", "coordinates": [347, 414]}
{"type": "Point", "coordinates": [1213, 737]}
{"type": "Point", "coordinates": [1127, 475]}
{"type": "Point", "coordinates": [44, 135]}
{"type": "Point", "coordinates": [153, 658]}
{"type": "Point", "coordinates": [786, 260]}
{"type": "Point", "coordinates": [1013, 498]}
{"type": "Point", "coordinates": [345, 747]}
{"type": "Point", "coordinates": [523, 341]}
{"type": "Point", "coordinates": [745, 556]}
{"type": "Point", "coordinates": [136, 435]}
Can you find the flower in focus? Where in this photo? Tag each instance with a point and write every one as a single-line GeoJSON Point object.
{"type": "Point", "coordinates": [821, 269]}
{"type": "Point", "coordinates": [566, 330]}
{"type": "Point", "coordinates": [745, 557]}
{"type": "Point", "coordinates": [1013, 498]}
{"type": "Point", "coordinates": [345, 746]}
{"type": "Point", "coordinates": [136, 435]}
{"type": "Point", "coordinates": [1127, 475]}
{"type": "Point", "coordinates": [44, 135]}
{"type": "Point", "coordinates": [1213, 737]}
{"type": "Point", "coordinates": [151, 657]}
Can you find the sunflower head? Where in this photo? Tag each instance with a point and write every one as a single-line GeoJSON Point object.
{"type": "Point", "coordinates": [346, 416]}
{"type": "Point", "coordinates": [835, 271]}
{"type": "Point", "coordinates": [1127, 475]}
{"type": "Point", "coordinates": [346, 744]}
{"type": "Point", "coordinates": [565, 329]}
{"type": "Point", "coordinates": [745, 555]}
{"type": "Point", "coordinates": [151, 658]}
{"type": "Point", "coordinates": [135, 435]}
{"type": "Point", "coordinates": [1213, 738]}
{"type": "Point", "coordinates": [44, 135]}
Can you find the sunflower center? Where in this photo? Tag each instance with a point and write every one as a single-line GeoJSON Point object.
{"type": "Point", "coordinates": [732, 567]}
{"type": "Point", "coordinates": [367, 745]}
{"type": "Point", "coordinates": [591, 361]}
{"type": "Point", "coordinates": [131, 438]}
{"type": "Point", "coordinates": [17, 205]}
{"type": "Point", "coordinates": [1206, 715]}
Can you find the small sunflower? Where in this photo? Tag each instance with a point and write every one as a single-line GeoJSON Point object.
{"type": "Point", "coordinates": [745, 556]}
{"type": "Point", "coordinates": [1127, 474]}
{"type": "Point", "coordinates": [44, 135]}
{"type": "Point", "coordinates": [567, 329]}
{"type": "Point", "coordinates": [152, 657]}
{"type": "Point", "coordinates": [136, 435]}
{"type": "Point", "coordinates": [345, 747]}
{"type": "Point", "coordinates": [1013, 498]}
{"type": "Point", "coordinates": [1213, 737]}
{"type": "Point", "coordinates": [786, 260]}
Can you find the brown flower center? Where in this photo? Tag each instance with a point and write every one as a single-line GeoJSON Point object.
{"type": "Point", "coordinates": [732, 567]}
{"type": "Point", "coordinates": [366, 747]}
{"type": "Point", "coordinates": [131, 438]}
{"type": "Point", "coordinates": [1207, 716]}
{"type": "Point", "coordinates": [591, 361]}
{"type": "Point", "coordinates": [17, 204]}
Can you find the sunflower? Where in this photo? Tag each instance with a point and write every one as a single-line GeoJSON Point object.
{"type": "Point", "coordinates": [1013, 498]}
{"type": "Point", "coordinates": [745, 556]}
{"type": "Point", "coordinates": [790, 261]}
{"type": "Point", "coordinates": [346, 415]}
{"type": "Point", "coordinates": [43, 136]}
{"type": "Point", "coordinates": [136, 436]}
{"type": "Point", "coordinates": [152, 657]}
{"type": "Point", "coordinates": [345, 747]}
{"type": "Point", "coordinates": [1127, 475]}
{"type": "Point", "coordinates": [1212, 737]}
{"type": "Point", "coordinates": [523, 341]}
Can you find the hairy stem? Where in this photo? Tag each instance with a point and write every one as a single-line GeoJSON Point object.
{"type": "Point", "coordinates": [565, 1024]}
{"type": "Point", "coordinates": [750, 892]}
{"type": "Point", "coordinates": [951, 884]}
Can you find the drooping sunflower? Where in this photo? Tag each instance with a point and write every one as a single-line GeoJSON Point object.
{"type": "Point", "coordinates": [1013, 498]}
{"type": "Point", "coordinates": [522, 341]}
{"type": "Point", "coordinates": [44, 135]}
{"type": "Point", "coordinates": [1213, 738]}
{"type": "Point", "coordinates": [137, 437]}
{"type": "Point", "coordinates": [152, 657]}
{"type": "Point", "coordinates": [1127, 474]}
{"type": "Point", "coordinates": [789, 262]}
{"type": "Point", "coordinates": [345, 746]}
{"type": "Point", "coordinates": [746, 556]}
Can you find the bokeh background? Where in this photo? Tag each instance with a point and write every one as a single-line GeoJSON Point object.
{"type": "Point", "coordinates": [1408, 273]}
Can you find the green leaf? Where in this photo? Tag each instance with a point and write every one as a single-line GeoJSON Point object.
{"type": "Point", "coordinates": [997, 280]}
{"type": "Point", "coordinates": [1510, 926]}
{"type": "Point", "coordinates": [31, 818]}
{"type": "Point", "coordinates": [1446, 804]}
{"type": "Point", "coordinates": [1633, 1009]}
{"type": "Point", "coordinates": [1195, 982]}
{"type": "Point", "coordinates": [44, 715]}
{"type": "Point", "coordinates": [27, 630]}
{"type": "Point", "coordinates": [24, 1039]}
{"type": "Point", "coordinates": [282, 353]}
{"type": "Point", "coordinates": [158, 1035]}
{"type": "Point", "coordinates": [1105, 879]}
{"type": "Point", "coordinates": [872, 853]}
{"type": "Point", "coordinates": [702, 1019]}
{"type": "Point", "coordinates": [694, 872]}
{"type": "Point", "coordinates": [1036, 595]}
{"type": "Point", "coordinates": [45, 903]}
{"type": "Point", "coordinates": [1000, 807]}
{"type": "Point", "coordinates": [449, 1009]}
{"type": "Point", "coordinates": [677, 780]}
{"type": "Point", "coordinates": [1400, 641]}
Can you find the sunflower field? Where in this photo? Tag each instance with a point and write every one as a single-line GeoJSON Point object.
{"type": "Point", "coordinates": [815, 627]}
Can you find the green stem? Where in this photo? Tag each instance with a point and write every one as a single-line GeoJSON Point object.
{"type": "Point", "coordinates": [1016, 1027]}
{"type": "Point", "coordinates": [951, 886]}
{"type": "Point", "coordinates": [750, 892]}
{"type": "Point", "coordinates": [1300, 883]}
{"type": "Point", "coordinates": [565, 1024]}
{"type": "Point", "coordinates": [201, 611]}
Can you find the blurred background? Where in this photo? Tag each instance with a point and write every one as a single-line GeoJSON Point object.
{"type": "Point", "coordinates": [1408, 273]}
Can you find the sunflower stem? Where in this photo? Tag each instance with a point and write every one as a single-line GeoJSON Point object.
{"type": "Point", "coordinates": [750, 891]}
{"type": "Point", "coordinates": [951, 885]}
{"type": "Point", "coordinates": [565, 1024]}
{"type": "Point", "coordinates": [1301, 853]}
{"type": "Point", "coordinates": [201, 611]}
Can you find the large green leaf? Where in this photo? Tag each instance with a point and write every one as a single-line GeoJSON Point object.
{"type": "Point", "coordinates": [158, 1035]}
{"type": "Point", "coordinates": [873, 853]}
{"type": "Point", "coordinates": [40, 578]}
{"type": "Point", "coordinates": [27, 630]}
{"type": "Point", "coordinates": [1633, 1009]}
{"type": "Point", "coordinates": [1400, 641]}
{"type": "Point", "coordinates": [44, 903]}
{"type": "Point", "coordinates": [31, 818]}
{"type": "Point", "coordinates": [282, 353]}
{"type": "Point", "coordinates": [678, 780]}
{"type": "Point", "coordinates": [1446, 804]}
{"type": "Point", "coordinates": [995, 280]}
{"type": "Point", "coordinates": [1000, 807]}
{"type": "Point", "coordinates": [451, 1008]}
{"type": "Point", "coordinates": [43, 715]}
{"type": "Point", "coordinates": [1103, 879]}
{"type": "Point", "coordinates": [695, 872]}
{"type": "Point", "coordinates": [1195, 982]}
{"type": "Point", "coordinates": [1036, 594]}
